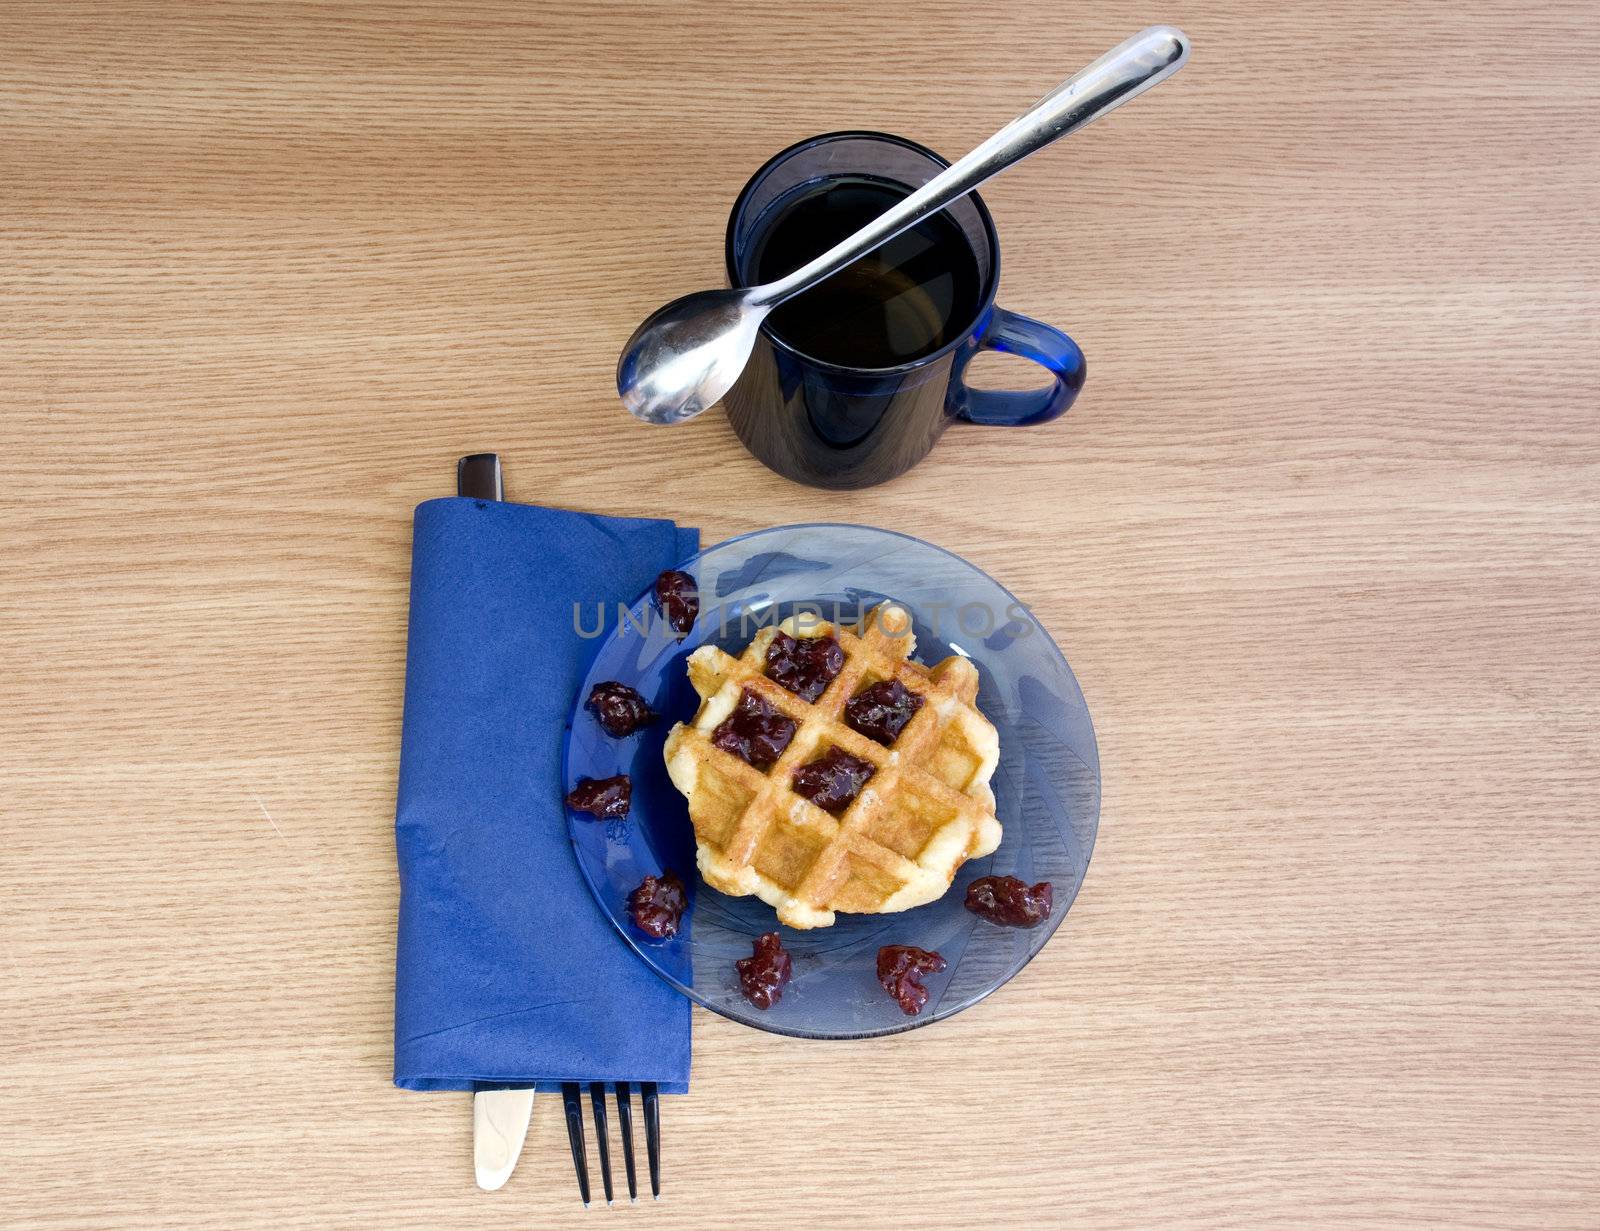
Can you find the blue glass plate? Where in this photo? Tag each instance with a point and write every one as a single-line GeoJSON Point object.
{"type": "Point", "coordinates": [1047, 786]}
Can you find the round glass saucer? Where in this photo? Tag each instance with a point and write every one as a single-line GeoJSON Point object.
{"type": "Point", "coordinates": [1047, 786]}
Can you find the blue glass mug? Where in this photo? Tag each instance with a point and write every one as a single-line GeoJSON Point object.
{"type": "Point", "coordinates": [832, 426]}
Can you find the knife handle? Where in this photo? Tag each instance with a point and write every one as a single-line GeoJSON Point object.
{"type": "Point", "coordinates": [478, 477]}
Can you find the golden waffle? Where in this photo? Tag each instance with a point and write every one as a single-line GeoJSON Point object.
{"type": "Point", "coordinates": [927, 808]}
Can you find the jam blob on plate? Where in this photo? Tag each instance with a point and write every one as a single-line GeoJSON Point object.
{"type": "Point", "coordinates": [605, 799]}
{"type": "Point", "coordinates": [763, 974]}
{"type": "Point", "coordinates": [754, 732]}
{"type": "Point", "coordinates": [678, 599]}
{"type": "Point", "coordinates": [804, 665]}
{"type": "Point", "coordinates": [880, 711]}
{"type": "Point", "coordinates": [900, 970]}
{"type": "Point", "coordinates": [619, 709]}
{"type": "Point", "coordinates": [1009, 902]}
{"type": "Point", "coordinates": [657, 905]}
{"type": "Point", "coordinates": [833, 780]}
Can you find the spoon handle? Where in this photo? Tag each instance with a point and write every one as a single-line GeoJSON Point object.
{"type": "Point", "coordinates": [1124, 72]}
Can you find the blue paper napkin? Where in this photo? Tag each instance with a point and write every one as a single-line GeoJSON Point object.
{"type": "Point", "coordinates": [506, 972]}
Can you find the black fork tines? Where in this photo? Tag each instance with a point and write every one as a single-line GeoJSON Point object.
{"type": "Point", "coordinates": [597, 1096]}
{"type": "Point", "coordinates": [652, 1133]}
{"type": "Point", "coordinates": [625, 1124]}
{"type": "Point", "coordinates": [572, 1101]}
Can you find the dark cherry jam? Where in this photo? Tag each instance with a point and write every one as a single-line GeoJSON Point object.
{"type": "Point", "coordinates": [763, 974]}
{"type": "Point", "coordinates": [754, 731]}
{"type": "Point", "coordinates": [619, 709]}
{"type": "Point", "coordinates": [1009, 902]}
{"type": "Point", "coordinates": [804, 665]}
{"type": "Point", "coordinates": [900, 970]}
{"type": "Point", "coordinates": [833, 780]}
{"type": "Point", "coordinates": [678, 599]}
{"type": "Point", "coordinates": [657, 905]}
{"type": "Point", "coordinates": [606, 799]}
{"type": "Point", "coordinates": [880, 711]}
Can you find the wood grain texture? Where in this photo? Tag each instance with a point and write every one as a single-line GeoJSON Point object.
{"type": "Point", "coordinates": [1320, 540]}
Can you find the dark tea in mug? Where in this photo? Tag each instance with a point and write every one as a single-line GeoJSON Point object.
{"type": "Point", "coordinates": [902, 302]}
{"type": "Point", "coordinates": [853, 381]}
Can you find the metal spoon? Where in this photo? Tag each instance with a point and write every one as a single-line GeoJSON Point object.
{"type": "Point", "coordinates": [688, 354]}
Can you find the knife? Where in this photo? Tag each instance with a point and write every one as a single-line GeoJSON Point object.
{"type": "Point", "coordinates": [499, 1116]}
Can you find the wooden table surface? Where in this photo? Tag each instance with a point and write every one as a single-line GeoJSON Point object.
{"type": "Point", "coordinates": [1320, 540]}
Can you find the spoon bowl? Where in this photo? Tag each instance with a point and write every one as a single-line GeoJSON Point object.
{"type": "Point", "coordinates": [686, 355]}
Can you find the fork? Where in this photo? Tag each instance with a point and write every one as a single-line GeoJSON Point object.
{"type": "Point", "coordinates": [572, 1099]}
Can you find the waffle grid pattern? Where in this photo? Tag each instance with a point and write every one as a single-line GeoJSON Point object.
{"type": "Point", "coordinates": [927, 808]}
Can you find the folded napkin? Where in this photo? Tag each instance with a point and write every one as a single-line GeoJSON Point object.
{"type": "Point", "coordinates": [506, 972]}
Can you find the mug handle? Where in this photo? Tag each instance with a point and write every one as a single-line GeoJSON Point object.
{"type": "Point", "coordinates": [1047, 346]}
